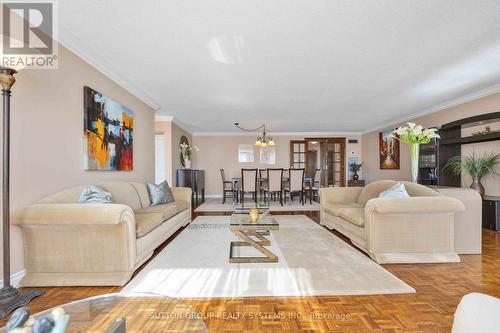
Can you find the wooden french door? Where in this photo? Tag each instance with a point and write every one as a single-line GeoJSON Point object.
{"type": "Point", "coordinates": [330, 158]}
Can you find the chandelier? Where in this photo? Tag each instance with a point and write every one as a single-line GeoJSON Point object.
{"type": "Point", "coordinates": [262, 141]}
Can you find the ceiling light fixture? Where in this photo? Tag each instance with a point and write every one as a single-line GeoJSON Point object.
{"type": "Point", "coordinates": [262, 141]}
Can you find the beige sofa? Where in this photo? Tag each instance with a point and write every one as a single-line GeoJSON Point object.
{"type": "Point", "coordinates": [418, 229]}
{"type": "Point", "coordinates": [71, 244]}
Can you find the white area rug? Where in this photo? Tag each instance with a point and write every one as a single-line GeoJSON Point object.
{"type": "Point", "coordinates": [215, 205]}
{"type": "Point", "coordinates": [312, 261]}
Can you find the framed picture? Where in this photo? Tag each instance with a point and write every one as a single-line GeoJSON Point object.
{"type": "Point", "coordinates": [108, 133]}
{"type": "Point", "coordinates": [389, 151]}
{"type": "Point", "coordinates": [267, 155]}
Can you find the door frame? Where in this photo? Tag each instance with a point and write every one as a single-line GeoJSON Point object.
{"type": "Point", "coordinates": [342, 141]}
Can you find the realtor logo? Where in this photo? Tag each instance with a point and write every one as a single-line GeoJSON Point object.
{"type": "Point", "coordinates": [28, 32]}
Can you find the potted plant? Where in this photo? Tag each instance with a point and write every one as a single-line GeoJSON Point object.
{"type": "Point", "coordinates": [476, 166]}
{"type": "Point", "coordinates": [354, 168]}
{"type": "Point", "coordinates": [415, 135]}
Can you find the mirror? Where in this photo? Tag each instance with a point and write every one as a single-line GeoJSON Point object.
{"type": "Point", "coordinates": [185, 141]}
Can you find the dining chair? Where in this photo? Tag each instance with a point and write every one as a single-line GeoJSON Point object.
{"type": "Point", "coordinates": [248, 183]}
{"type": "Point", "coordinates": [274, 184]}
{"type": "Point", "coordinates": [295, 184]}
{"type": "Point", "coordinates": [316, 184]}
{"type": "Point", "coordinates": [227, 187]}
{"type": "Point", "coordinates": [262, 181]}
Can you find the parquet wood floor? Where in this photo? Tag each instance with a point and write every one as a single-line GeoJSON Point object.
{"type": "Point", "coordinates": [439, 289]}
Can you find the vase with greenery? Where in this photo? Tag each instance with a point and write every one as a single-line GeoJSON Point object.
{"type": "Point", "coordinates": [477, 166]}
{"type": "Point", "coordinates": [415, 135]}
{"type": "Point", "coordinates": [187, 153]}
{"type": "Point", "coordinates": [354, 168]}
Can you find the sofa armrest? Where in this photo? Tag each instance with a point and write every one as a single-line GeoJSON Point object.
{"type": "Point", "coordinates": [339, 194]}
{"type": "Point", "coordinates": [73, 213]}
{"type": "Point", "coordinates": [182, 194]}
{"type": "Point", "coordinates": [438, 204]}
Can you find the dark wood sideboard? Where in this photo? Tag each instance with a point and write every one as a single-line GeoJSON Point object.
{"type": "Point", "coordinates": [194, 179]}
{"type": "Point", "coordinates": [491, 212]}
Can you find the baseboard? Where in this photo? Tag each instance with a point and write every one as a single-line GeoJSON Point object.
{"type": "Point", "coordinates": [15, 278]}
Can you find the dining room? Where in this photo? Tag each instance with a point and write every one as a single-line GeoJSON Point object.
{"type": "Point", "coordinates": [225, 156]}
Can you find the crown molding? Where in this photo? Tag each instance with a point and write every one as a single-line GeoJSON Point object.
{"type": "Point", "coordinates": [174, 120]}
{"type": "Point", "coordinates": [71, 42]}
{"type": "Point", "coordinates": [439, 107]}
{"type": "Point", "coordinates": [277, 134]}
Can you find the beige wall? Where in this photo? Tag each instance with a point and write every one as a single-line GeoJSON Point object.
{"type": "Point", "coordinates": [216, 152]}
{"type": "Point", "coordinates": [47, 134]}
{"type": "Point", "coordinates": [370, 151]}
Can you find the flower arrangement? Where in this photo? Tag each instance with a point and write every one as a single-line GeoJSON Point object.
{"type": "Point", "coordinates": [187, 153]}
{"type": "Point", "coordinates": [415, 135]}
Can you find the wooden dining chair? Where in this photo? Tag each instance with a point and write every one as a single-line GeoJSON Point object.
{"type": "Point", "coordinates": [248, 183]}
{"type": "Point", "coordinates": [262, 181]}
{"type": "Point", "coordinates": [295, 184]}
{"type": "Point", "coordinates": [316, 184]}
{"type": "Point", "coordinates": [227, 187]}
{"type": "Point", "coordinates": [274, 184]}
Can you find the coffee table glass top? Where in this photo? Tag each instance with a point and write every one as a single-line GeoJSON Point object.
{"type": "Point", "coordinates": [243, 220]}
{"type": "Point", "coordinates": [143, 312]}
{"type": "Point", "coordinates": [245, 206]}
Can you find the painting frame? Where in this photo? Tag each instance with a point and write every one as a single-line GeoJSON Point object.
{"type": "Point", "coordinates": [389, 151]}
{"type": "Point", "coordinates": [108, 133]}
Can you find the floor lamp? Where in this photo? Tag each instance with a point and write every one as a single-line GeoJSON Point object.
{"type": "Point", "coordinates": [10, 297]}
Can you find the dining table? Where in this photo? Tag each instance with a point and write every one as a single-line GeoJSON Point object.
{"type": "Point", "coordinates": [262, 180]}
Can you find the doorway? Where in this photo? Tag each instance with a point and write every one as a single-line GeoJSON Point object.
{"type": "Point", "coordinates": [328, 156]}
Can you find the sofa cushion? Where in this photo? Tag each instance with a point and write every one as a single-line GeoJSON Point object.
{"type": "Point", "coordinates": [372, 190]}
{"type": "Point", "coordinates": [145, 223]}
{"type": "Point", "coordinates": [95, 194]}
{"type": "Point", "coordinates": [123, 193]}
{"type": "Point", "coordinates": [181, 206]}
{"type": "Point", "coordinates": [395, 191]}
{"type": "Point", "coordinates": [142, 191]}
{"type": "Point", "coordinates": [333, 208]}
{"type": "Point", "coordinates": [160, 194]}
{"type": "Point", "coordinates": [354, 215]}
{"type": "Point", "coordinates": [167, 210]}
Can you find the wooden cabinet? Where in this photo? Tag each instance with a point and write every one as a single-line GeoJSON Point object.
{"type": "Point", "coordinates": [491, 213]}
{"type": "Point", "coordinates": [194, 179]}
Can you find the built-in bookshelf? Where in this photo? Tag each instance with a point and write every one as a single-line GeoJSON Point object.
{"type": "Point", "coordinates": [481, 128]}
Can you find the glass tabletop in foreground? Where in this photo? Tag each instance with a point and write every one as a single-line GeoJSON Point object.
{"type": "Point", "coordinates": [142, 312]}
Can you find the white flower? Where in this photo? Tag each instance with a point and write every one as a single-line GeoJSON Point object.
{"type": "Point", "coordinates": [411, 125]}
{"type": "Point", "coordinates": [417, 130]}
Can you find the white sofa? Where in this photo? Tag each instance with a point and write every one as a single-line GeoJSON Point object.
{"type": "Point", "coordinates": [71, 244]}
{"type": "Point", "coordinates": [418, 229]}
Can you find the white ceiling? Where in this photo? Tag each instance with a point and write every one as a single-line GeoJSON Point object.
{"type": "Point", "coordinates": [298, 66]}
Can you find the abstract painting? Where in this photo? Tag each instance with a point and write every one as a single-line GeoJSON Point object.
{"type": "Point", "coordinates": [389, 150]}
{"type": "Point", "coordinates": [108, 132]}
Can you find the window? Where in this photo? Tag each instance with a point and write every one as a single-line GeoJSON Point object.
{"type": "Point", "coordinates": [245, 153]}
{"type": "Point", "coordinates": [267, 155]}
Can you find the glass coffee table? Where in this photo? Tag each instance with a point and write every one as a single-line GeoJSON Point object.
{"type": "Point", "coordinates": [141, 312]}
{"type": "Point", "coordinates": [252, 232]}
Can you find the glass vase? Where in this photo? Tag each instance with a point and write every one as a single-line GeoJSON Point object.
{"type": "Point", "coordinates": [415, 155]}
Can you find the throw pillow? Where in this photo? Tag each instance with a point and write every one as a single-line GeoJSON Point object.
{"type": "Point", "coordinates": [95, 194]}
{"type": "Point", "coordinates": [160, 194]}
{"type": "Point", "coordinates": [398, 190]}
